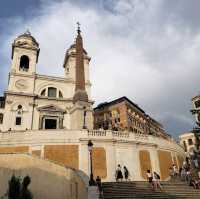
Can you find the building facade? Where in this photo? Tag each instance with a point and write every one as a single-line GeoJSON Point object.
{"type": "Point", "coordinates": [188, 141]}
{"type": "Point", "coordinates": [196, 112]}
{"type": "Point", "coordinates": [52, 118]}
{"type": "Point", "coordinates": [124, 115]}
{"type": "Point", "coordinates": [33, 101]}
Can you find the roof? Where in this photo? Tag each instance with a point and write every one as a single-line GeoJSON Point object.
{"type": "Point", "coordinates": [27, 34]}
{"type": "Point", "coordinates": [116, 101]}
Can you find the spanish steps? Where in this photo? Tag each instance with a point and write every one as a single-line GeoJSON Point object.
{"type": "Point", "coordinates": [141, 190]}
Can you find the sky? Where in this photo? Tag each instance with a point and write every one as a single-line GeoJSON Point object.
{"type": "Point", "coordinates": [147, 50]}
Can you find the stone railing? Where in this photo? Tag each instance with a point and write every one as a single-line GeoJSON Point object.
{"type": "Point", "coordinates": [141, 136]}
{"type": "Point", "coordinates": [120, 134]}
{"type": "Point", "coordinates": [96, 133]}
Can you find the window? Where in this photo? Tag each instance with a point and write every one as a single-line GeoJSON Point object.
{"type": "Point", "coordinates": [190, 141]}
{"type": "Point", "coordinates": [1, 118]}
{"type": "Point", "coordinates": [19, 106]}
{"type": "Point", "coordinates": [185, 146]}
{"type": "Point", "coordinates": [24, 63]}
{"type": "Point", "coordinates": [52, 92]}
{"type": "Point", "coordinates": [18, 120]}
{"type": "Point", "coordinates": [2, 102]}
{"type": "Point", "coordinates": [43, 92]}
{"type": "Point", "coordinates": [60, 94]}
{"type": "Point", "coordinates": [50, 123]}
{"type": "Point", "coordinates": [197, 104]}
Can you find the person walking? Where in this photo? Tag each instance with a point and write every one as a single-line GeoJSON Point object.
{"type": "Point", "coordinates": [150, 179]}
{"type": "Point", "coordinates": [156, 180]}
{"type": "Point", "coordinates": [99, 185]}
{"type": "Point", "coordinates": [126, 173]}
{"type": "Point", "coordinates": [119, 175]}
{"type": "Point", "coordinates": [174, 170]}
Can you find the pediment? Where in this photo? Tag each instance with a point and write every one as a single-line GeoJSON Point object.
{"type": "Point", "coordinates": [50, 108]}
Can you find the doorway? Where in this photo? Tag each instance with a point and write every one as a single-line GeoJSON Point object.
{"type": "Point", "coordinates": [50, 123]}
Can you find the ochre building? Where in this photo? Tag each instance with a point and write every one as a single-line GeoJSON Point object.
{"type": "Point", "coordinates": [124, 115]}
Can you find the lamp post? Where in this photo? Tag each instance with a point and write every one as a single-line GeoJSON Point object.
{"type": "Point", "coordinates": [84, 116]}
{"type": "Point", "coordinates": [90, 146]}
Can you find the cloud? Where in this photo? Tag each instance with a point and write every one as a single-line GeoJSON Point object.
{"type": "Point", "coordinates": [146, 50]}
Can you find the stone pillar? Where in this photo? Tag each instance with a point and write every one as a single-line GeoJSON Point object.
{"type": "Point", "coordinates": [84, 158]}
{"type": "Point", "coordinates": [41, 122]}
{"type": "Point", "coordinates": [111, 162]}
{"type": "Point", "coordinates": [137, 170]}
{"type": "Point", "coordinates": [154, 160]}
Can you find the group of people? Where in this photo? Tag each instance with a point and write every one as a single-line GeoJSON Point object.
{"type": "Point", "coordinates": [119, 174]}
{"type": "Point", "coordinates": [186, 174]}
{"type": "Point", "coordinates": [154, 180]}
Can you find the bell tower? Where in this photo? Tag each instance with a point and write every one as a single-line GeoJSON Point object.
{"type": "Point", "coordinates": [25, 52]}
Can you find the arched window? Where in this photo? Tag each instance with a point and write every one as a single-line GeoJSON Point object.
{"type": "Point", "coordinates": [52, 92]}
{"type": "Point", "coordinates": [24, 63]}
{"type": "Point", "coordinates": [1, 118]}
{"type": "Point", "coordinates": [18, 119]}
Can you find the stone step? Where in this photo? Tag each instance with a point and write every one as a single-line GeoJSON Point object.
{"type": "Point", "coordinates": [139, 189]}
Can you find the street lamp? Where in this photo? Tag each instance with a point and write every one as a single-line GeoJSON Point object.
{"type": "Point", "coordinates": [84, 116]}
{"type": "Point", "coordinates": [90, 146]}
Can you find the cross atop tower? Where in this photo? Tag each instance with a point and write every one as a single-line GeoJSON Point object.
{"type": "Point", "coordinates": [78, 28]}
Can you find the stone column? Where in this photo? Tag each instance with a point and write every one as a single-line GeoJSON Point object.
{"type": "Point", "coordinates": [137, 169]}
{"type": "Point", "coordinates": [110, 161]}
{"type": "Point", "coordinates": [84, 157]}
{"type": "Point", "coordinates": [154, 160]}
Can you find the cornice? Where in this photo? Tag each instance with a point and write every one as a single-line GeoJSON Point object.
{"type": "Point", "coordinates": [20, 93]}
{"type": "Point", "coordinates": [22, 74]}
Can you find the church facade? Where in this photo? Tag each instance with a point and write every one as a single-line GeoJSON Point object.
{"type": "Point", "coordinates": [34, 101]}
{"type": "Point", "coordinates": [52, 118]}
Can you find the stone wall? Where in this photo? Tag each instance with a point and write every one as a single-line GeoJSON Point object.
{"type": "Point", "coordinates": [145, 162]}
{"type": "Point", "coordinates": [99, 162]}
{"type": "Point", "coordinates": [67, 155]}
{"type": "Point", "coordinates": [165, 161]}
{"type": "Point", "coordinates": [48, 180]}
{"type": "Point", "coordinates": [69, 148]}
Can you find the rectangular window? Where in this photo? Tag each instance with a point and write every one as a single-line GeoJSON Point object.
{"type": "Point", "coordinates": [18, 121]}
{"type": "Point", "coordinates": [1, 118]}
{"type": "Point", "coordinates": [51, 92]}
{"type": "Point", "coordinates": [190, 141]}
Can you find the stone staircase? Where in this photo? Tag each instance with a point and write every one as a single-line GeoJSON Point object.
{"type": "Point", "coordinates": [137, 190]}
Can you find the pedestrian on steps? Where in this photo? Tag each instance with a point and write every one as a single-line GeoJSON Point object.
{"type": "Point", "coordinates": [150, 179]}
{"type": "Point", "coordinates": [99, 185]}
{"type": "Point", "coordinates": [119, 175]}
{"type": "Point", "coordinates": [156, 181]}
{"type": "Point", "coordinates": [126, 173]}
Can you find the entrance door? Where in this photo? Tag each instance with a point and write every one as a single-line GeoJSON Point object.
{"type": "Point", "coordinates": [50, 123]}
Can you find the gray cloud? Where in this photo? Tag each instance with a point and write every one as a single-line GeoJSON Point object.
{"type": "Point", "coordinates": [146, 50]}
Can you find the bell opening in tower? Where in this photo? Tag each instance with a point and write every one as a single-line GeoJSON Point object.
{"type": "Point", "coordinates": [24, 63]}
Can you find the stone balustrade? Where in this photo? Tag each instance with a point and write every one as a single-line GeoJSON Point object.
{"type": "Point", "coordinates": [58, 135]}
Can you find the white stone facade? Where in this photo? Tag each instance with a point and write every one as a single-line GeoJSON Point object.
{"type": "Point", "coordinates": [121, 148]}
{"type": "Point", "coordinates": [42, 98]}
